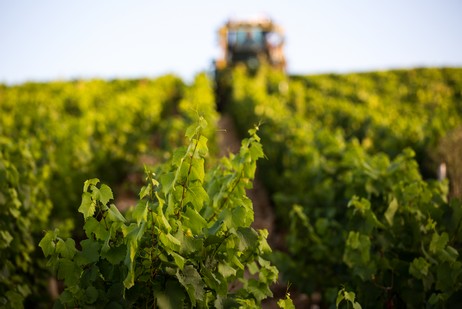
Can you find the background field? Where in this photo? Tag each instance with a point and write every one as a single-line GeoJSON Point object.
{"type": "Point", "coordinates": [351, 173]}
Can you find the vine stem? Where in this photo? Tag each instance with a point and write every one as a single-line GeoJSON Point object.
{"type": "Point", "coordinates": [185, 185]}
{"type": "Point", "coordinates": [232, 189]}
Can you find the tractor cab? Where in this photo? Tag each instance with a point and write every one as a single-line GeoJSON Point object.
{"type": "Point", "coordinates": [247, 42]}
{"type": "Point", "coordinates": [251, 42]}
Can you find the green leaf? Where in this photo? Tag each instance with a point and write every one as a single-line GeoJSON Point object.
{"type": "Point", "coordinates": [173, 296]}
{"type": "Point", "coordinates": [202, 122]}
{"type": "Point", "coordinates": [195, 221]}
{"type": "Point", "coordinates": [66, 248]}
{"type": "Point", "coordinates": [435, 298]}
{"type": "Point", "coordinates": [68, 271]}
{"type": "Point", "coordinates": [145, 191]}
{"type": "Point", "coordinates": [129, 280]}
{"type": "Point", "coordinates": [197, 170]}
{"type": "Point", "coordinates": [256, 151]}
{"type": "Point", "coordinates": [88, 206]}
{"type": "Point", "coordinates": [89, 275]}
{"type": "Point", "coordinates": [90, 252]}
{"type": "Point", "coordinates": [360, 204]}
{"type": "Point", "coordinates": [253, 268]}
{"type": "Point", "coordinates": [438, 242]}
{"type": "Point", "coordinates": [105, 194]}
{"type": "Point", "coordinates": [223, 301]}
{"type": "Point", "coordinates": [191, 131]}
{"type": "Point", "coordinates": [5, 239]}
{"type": "Point", "coordinates": [286, 303]}
{"type": "Point", "coordinates": [24, 289]}
{"type": "Point", "coordinates": [259, 289]}
{"type": "Point", "coordinates": [419, 268]}
{"type": "Point", "coordinates": [445, 279]}
{"type": "Point", "coordinates": [15, 300]}
{"type": "Point", "coordinates": [115, 255]}
{"type": "Point", "coordinates": [178, 156]}
{"type": "Point", "coordinates": [213, 230]}
{"type": "Point", "coordinates": [215, 281]}
{"type": "Point", "coordinates": [115, 215]}
{"type": "Point", "coordinates": [179, 260]}
{"type": "Point", "coordinates": [93, 226]}
{"type": "Point", "coordinates": [161, 220]}
{"type": "Point", "coordinates": [225, 270]}
{"type": "Point", "coordinates": [350, 296]}
{"type": "Point", "coordinates": [347, 296]}
{"type": "Point", "coordinates": [66, 298]}
{"type": "Point", "coordinates": [167, 180]}
{"type": "Point", "coordinates": [191, 244]}
{"type": "Point", "coordinates": [449, 254]}
{"type": "Point", "coordinates": [192, 282]}
{"type": "Point", "coordinates": [391, 210]}
{"type": "Point", "coordinates": [197, 195]}
{"type": "Point", "coordinates": [235, 260]}
{"type": "Point", "coordinates": [356, 305]}
{"type": "Point", "coordinates": [170, 242]}
{"type": "Point", "coordinates": [239, 217]}
{"type": "Point", "coordinates": [263, 245]}
{"type": "Point", "coordinates": [140, 213]}
{"type": "Point", "coordinates": [48, 243]}
{"type": "Point", "coordinates": [202, 148]}
{"type": "Point", "coordinates": [132, 238]}
{"type": "Point", "coordinates": [90, 182]}
{"type": "Point", "coordinates": [91, 295]}
{"type": "Point", "coordinates": [248, 238]}
{"type": "Point", "coordinates": [15, 212]}
{"type": "Point", "coordinates": [357, 255]}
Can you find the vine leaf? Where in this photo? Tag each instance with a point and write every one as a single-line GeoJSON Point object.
{"type": "Point", "coordinates": [68, 271]}
{"type": "Point", "coordinates": [105, 194]}
{"type": "Point", "coordinates": [173, 296]}
{"type": "Point", "coordinates": [90, 252]}
{"type": "Point", "coordinates": [66, 248]}
{"type": "Point", "coordinates": [88, 206]}
{"type": "Point", "coordinates": [93, 226]}
{"type": "Point", "coordinates": [140, 213]}
{"type": "Point", "coordinates": [391, 210]}
{"type": "Point", "coordinates": [115, 215]}
{"type": "Point", "coordinates": [47, 243]}
{"type": "Point", "coordinates": [192, 282]}
{"type": "Point", "coordinates": [196, 221]}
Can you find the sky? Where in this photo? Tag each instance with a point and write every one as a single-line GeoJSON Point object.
{"type": "Point", "coordinates": [82, 39]}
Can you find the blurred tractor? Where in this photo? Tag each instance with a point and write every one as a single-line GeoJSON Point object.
{"type": "Point", "coordinates": [251, 43]}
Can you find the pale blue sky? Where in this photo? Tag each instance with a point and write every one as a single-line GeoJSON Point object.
{"type": "Point", "coordinates": [59, 39]}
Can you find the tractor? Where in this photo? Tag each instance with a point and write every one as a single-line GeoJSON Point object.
{"type": "Point", "coordinates": [246, 42]}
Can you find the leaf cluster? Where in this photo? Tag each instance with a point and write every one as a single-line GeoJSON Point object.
{"type": "Point", "coordinates": [345, 162]}
{"type": "Point", "coordinates": [187, 242]}
{"type": "Point", "coordinates": [79, 129]}
{"type": "Point", "coordinates": [24, 209]}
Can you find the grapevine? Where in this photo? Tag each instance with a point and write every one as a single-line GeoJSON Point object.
{"type": "Point", "coordinates": [187, 241]}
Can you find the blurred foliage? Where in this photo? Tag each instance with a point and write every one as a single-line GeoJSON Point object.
{"type": "Point", "coordinates": [349, 171]}
{"type": "Point", "coordinates": [54, 136]}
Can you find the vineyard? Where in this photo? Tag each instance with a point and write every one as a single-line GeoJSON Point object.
{"type": "Point", "coordinates": [116, 193]}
